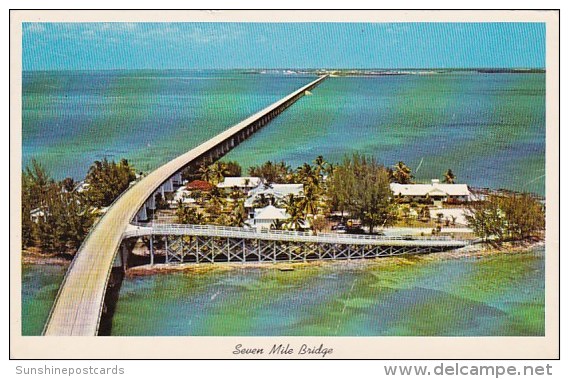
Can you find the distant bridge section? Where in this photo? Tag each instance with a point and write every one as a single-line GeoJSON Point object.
{"type": "Point", "coordinates": [79, 303]}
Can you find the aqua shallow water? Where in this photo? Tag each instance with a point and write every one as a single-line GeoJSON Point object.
{"type": "Point", "coordinates": [489, 128]}
{"type": "Point", "coordinates": [39, 288]}
{"type": "Point", "coordinates": [415, 296]}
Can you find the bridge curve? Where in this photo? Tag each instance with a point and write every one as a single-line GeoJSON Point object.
{"type": "Point", "coordinates": [79, 303]}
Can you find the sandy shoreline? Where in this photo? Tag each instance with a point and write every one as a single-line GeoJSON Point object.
{"type": "Point", "coordinates": [473, 251]}
{"type": "Point", "coordinates": [36, 257]}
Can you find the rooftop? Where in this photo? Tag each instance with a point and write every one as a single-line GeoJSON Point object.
{"type": "Point", "coordinates": [240, 181]}
{"type": "Point", "coordinates": [270, 212]}
{"type": "Point", "coordinates": [435, 188]}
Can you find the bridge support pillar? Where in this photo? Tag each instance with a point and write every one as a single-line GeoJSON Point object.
{"type": "Point", "coordinates": [142, 215]}
{"type": "Point", "coordinates": [151, 250]}
{"type": "Point", "coordinates": [168, 186]}
{"type": "Point", "coordinates": [124, 256]}
{"type": "Point", "coordinates": [177, 178]}
{"type": "Point", "coordinates": [151, 202]}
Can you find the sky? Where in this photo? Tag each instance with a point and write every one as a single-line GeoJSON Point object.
{"type": "Point", "coordinates": [92, 46]}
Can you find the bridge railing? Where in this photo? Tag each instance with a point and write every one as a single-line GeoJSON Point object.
{"type": "Point", "coordinates": [231, 231]}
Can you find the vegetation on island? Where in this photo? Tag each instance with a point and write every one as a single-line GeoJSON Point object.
{"type": "Point", "coordinates": [107, 180]}
{"type": "Point", "coordinates": [506, 217]}
{"type": "Point", "coordinates": [358, 187]}
{"type": "Point", "coordinates": [361, 186]}
{"type": "Point", "coordinates": [57, 215]}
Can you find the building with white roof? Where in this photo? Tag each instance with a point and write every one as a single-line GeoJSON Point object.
{"type": "Point", "coordinates": [264, 218]}
{"type": "Point", "coordinates": [275, 190]}
{"type": "Point", "coordinates": [243, 183]}
{"type": "Point", "coordinates": [184, 195]}
{"type": "Point", "coordinates": [435, 191]}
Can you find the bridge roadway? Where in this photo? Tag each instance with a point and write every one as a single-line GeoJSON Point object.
{"type": "Point", "coordinates": [211, 244]}
{"type": "Point", "coordinates": [79, 303]}
{"type": "Point", "coordinates": [142, 230]}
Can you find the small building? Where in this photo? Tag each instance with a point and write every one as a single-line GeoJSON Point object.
{"type": "Point", "coordinates": [37, 214]}
{"type": "Point", "coordinates": [81, 187]}
{"type": "Point", "coordinates": [199, 185]}
{"type": "Point", "coordinates": [264, 218]}
{"type": "Point", "coordinates": [183, 194]}
{"type": "Point", "coordinates": [435, 192]}
{"type": "Point", "coordinates": [242, 183]}
{"type": "Point", "coordinates": [275, 190]}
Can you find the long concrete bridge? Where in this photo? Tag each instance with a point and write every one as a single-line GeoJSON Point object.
{"type": "Point", "coordinates": [79, 303]}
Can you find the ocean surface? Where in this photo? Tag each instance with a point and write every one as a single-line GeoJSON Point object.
{"type": "Point", "coordinates": [489, 128]}
{"type": "Point", "coordinates": [415, 296]}
{"type": "Point", "coordinates": [500, 295]}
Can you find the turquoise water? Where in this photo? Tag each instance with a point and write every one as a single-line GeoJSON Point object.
{"type": "Point", "coordinates": [415, 296]}
{"type": "Point", "coordinates": [39, 288]}
{"type": "Point", "coordinates": [489, 128]}
{"type": "Point", "coordinates": [70, 119]}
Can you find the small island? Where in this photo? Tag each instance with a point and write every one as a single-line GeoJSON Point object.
{"type": "Point", "coordinates": [357, 196]}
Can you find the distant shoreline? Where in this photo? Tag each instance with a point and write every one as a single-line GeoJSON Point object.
{"type": "Point", "coordinates": [305, 71]}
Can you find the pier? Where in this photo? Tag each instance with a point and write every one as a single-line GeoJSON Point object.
{"type": "Point", "coordinates": [218, 244]}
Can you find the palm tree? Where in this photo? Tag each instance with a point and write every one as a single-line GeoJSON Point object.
{"type": "Point", "coordinates": [239, 215]}
{"type": "Point", "coordinates": [217, 172]}
{"type": "Point", "coordinates": [216, 199]}
{"type": "Point", "coordinates": [296, 218]}
{"type": "Point", "coordinates": [320, 164]}
{"type": "Point", "coordinates": [261, 201]}
{"type": "Point", "coordinates": [449, 177]}
{"type": "Point", "coordinates": [290, 203]}
{"type": "Point", "coordinates": [205, 172]}
{"type": "Point", "coordinates": [277, 224]}
{"type": "Point", "coordinates": [330, 169]}
{"type": "Point", "coordinates": [307, 175]}
{"type": "Point", "coordinates": [402, 173]}
{"type": "Point", "coordinates": [309, 203]}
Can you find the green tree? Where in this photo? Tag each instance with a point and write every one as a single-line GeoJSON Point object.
{"type": "Point", "coordinates": [318, 224]}
{"type": "Point", "coordinates": [361, 186]}
{"type": "Point", "coordinates": [36, 183]}
{"type": "Point", "coordinates": [402, 173]}
{"type": "Point", "coordinates": [68, 184]}
{"type": "Point", "coordinates": [524, 215]}
{"type": "Point", "coordinates": [205, 172]}
{"type": "Point", "coordinates": [231, 168]}
{"type": "Point", "coordinates": [218, 172]}
{"type": "Point", "coordinates": [107, 180]}
{"type": "Point", "coordinates": [320, 165]}
{"type": "Point", "coordinates": [450, 178]}
{"type": "Point", "coordinates": [309, 203]}
{"type": "Point", "coordinates": [506, 216]}
{"type": "Point", "coordinates": [188, 215]}
{"type": "Point", "coordinates": [238, 214]}
{"type": "Point", "coordinates": [67, 220]}
{"type": "Point", "coordinates": [486, 219]}
{"type": "Point", "coordinates": [272, 172]}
